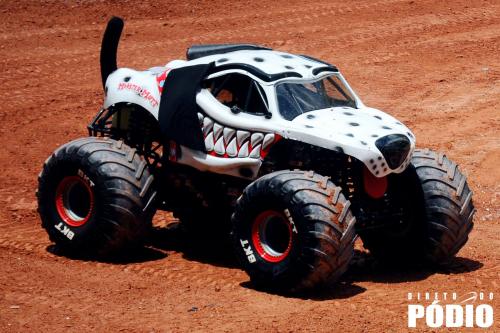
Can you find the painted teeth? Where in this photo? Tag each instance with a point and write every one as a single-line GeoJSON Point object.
{"type": "Point", "coordinates": [256, 139]}
{"type": "Point", "coordinates": [225, 140]}
{"type": "Point", "coordinates": [217, 131]}
{"type": "Point", "coordinates": [209, 142]}
{"type": "Point", "coordinates": [256, 152]}
{"type": "Point", "coordinates": [219, 147]}
{"type": "Point", "coordinates": [207, 125]}
{"type": "Point", "coordinates": [243, 150]}
{"type": "Point", "coordinates": [268, 139]}
{"type": "Point", "coordinates": [228, 134]}
{"type": "Point", "coordinates": [242, 136]}
{"type": "Point", "coordinates": [232, 149]}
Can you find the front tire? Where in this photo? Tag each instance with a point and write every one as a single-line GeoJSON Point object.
{"type": "Point", "coordinates": [95, 196]}
{"type": "Point", "coordinates": [438, 207]}
{"type": "Point", "coordinates": [293, 230]}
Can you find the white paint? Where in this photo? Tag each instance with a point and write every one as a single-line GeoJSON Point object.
{"type": "Point", "coordinates": [226, 166]}
{"type": "Point", "coordinates": [328, 128]}
{"type": "Point", "coordinates": [117, 91]}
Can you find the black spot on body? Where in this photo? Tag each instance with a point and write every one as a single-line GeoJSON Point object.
{"type": "Point", "coordinates": [386, 127]}
{"type": "Point", "coordinates": [409, 134]}
{"type": "Point", "coordinates": [287, 56]}
{"type": "Point", "coordinates": [363, 143]}
{"type": "Point", "coordinates": [257, 59]}
{"type": "Point", "coordinates": [398, 123]}
{"type": "Point", "coordinates": [221, 60]}
{"type": "Point", "coordinates": [374, 135]}
{"type": "Point", "coordinates": [349, 113]}
{"type": "Point", "coordinates": [383, 164]}
{"type": "Point", "coordinates": [350, 135]}
{"type": "Point", "coordinates": [339, 149]}
{"type": "Point", "coordinates": [309, 126]}
{"type": "Point", "coordinates": [127, 78]}
{"type": "Point", "coordinates": [378, 117]}
{"type": "Point", "coordinates": [288, 67]}
{"type": "Point", "coordinates": [374, 167]}
{"type": "Point", "coordinates": [379, 158]}
{"type": "Point", "coordinates": [354, 124]}
{"type": "Point", "coordinates": [385, 169]}
{"type": "Point", "coordinates": [372, 161]}
{"type": "Point", "coordinates": [376, 172]}
{"type": "Point", "coordinates": [310, 116]}
{"type": "Point", "coordinates": [308, 66]}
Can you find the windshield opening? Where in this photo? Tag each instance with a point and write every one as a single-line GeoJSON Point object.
{"type": "Point", "coordinates": [297, 98]}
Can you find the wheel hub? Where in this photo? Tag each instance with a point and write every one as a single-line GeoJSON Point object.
{"type": "Point", "coordinates": [272, 236]}
{"type": "Point", "coordinates": [74, 201]}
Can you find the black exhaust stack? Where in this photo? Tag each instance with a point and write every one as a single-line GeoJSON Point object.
{"type": "Point", "coordinates": [109, 47]}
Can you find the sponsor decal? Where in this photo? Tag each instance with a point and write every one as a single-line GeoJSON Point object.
{"type": "Point", "coordinates": [248, 251]}
{"type": "Point", "coordinates": [85, 178]}
{"type": "Point", "coordinates": [450, 309]}
{"type": "Point", "coordinates": [142, 92]}
{"type": "Point", "coordinates": [65, 230]}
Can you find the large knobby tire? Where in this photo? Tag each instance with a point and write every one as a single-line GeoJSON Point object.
{"type": "Point", "coordinates": [95, 196]}
{"type": "Point", "coordinates": [439, 213]}
{"type": "Point", "coordinates": [293, 230]}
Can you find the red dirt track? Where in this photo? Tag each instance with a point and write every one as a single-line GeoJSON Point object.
{"type": "Point", "coordinates": [432, 64]}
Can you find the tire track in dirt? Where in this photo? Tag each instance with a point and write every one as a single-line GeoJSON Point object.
{"type": "Point", "coordinates": [353, 37]}
{"type": "Point", "coordinates": [413, 28]}
{"type": "Point", "coordinates": [318, 10]}
{"type": "Point", "coordinates": [143, 24]}
{"type": "Point", "coordinates": [31, 239]}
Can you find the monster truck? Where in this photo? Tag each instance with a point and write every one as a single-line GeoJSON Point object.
{"type": "Point", "coordinates": [277, 144]}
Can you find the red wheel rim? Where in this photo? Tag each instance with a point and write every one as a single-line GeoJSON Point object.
{"type": "Point", "coordinates": [272, 236]}
{"type": "Point", "coordinates": [74, 201]}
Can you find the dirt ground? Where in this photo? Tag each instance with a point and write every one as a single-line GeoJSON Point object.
{"type": "Point", "coordinates": [432, 64]}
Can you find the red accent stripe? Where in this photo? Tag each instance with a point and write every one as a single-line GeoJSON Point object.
{"type": "Point", "coordinates": [162, 77]}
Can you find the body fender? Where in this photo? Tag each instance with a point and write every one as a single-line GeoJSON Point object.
{"type": "Point", "coordinates": [129, 86]}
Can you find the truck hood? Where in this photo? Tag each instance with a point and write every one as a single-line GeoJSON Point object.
{"type": "Point", "coordinates": [380, 141]}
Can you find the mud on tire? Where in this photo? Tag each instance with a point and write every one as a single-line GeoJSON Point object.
{"type": "Point", "coordinates": [95, 196]}
{"type": "Point", "coordinates": [441, 208]}
{"type": "Point", "coordinates": [293, 230]}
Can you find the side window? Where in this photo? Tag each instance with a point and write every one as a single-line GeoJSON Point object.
{"type": "Point", "coordinates": [240, 93]}
{"type": "Point", "coordinates": [338, 95]}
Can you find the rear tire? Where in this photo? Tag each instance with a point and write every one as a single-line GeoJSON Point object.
{"type": "Point", "coordinates": [439, 213]}
{"type": "Point", "coordinates": [293, 230]}
{"type": "Point", "coordinates": [95, 196]}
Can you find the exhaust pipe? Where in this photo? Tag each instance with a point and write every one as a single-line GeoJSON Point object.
{"type": "Point", "coordinates": [109, 47]}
